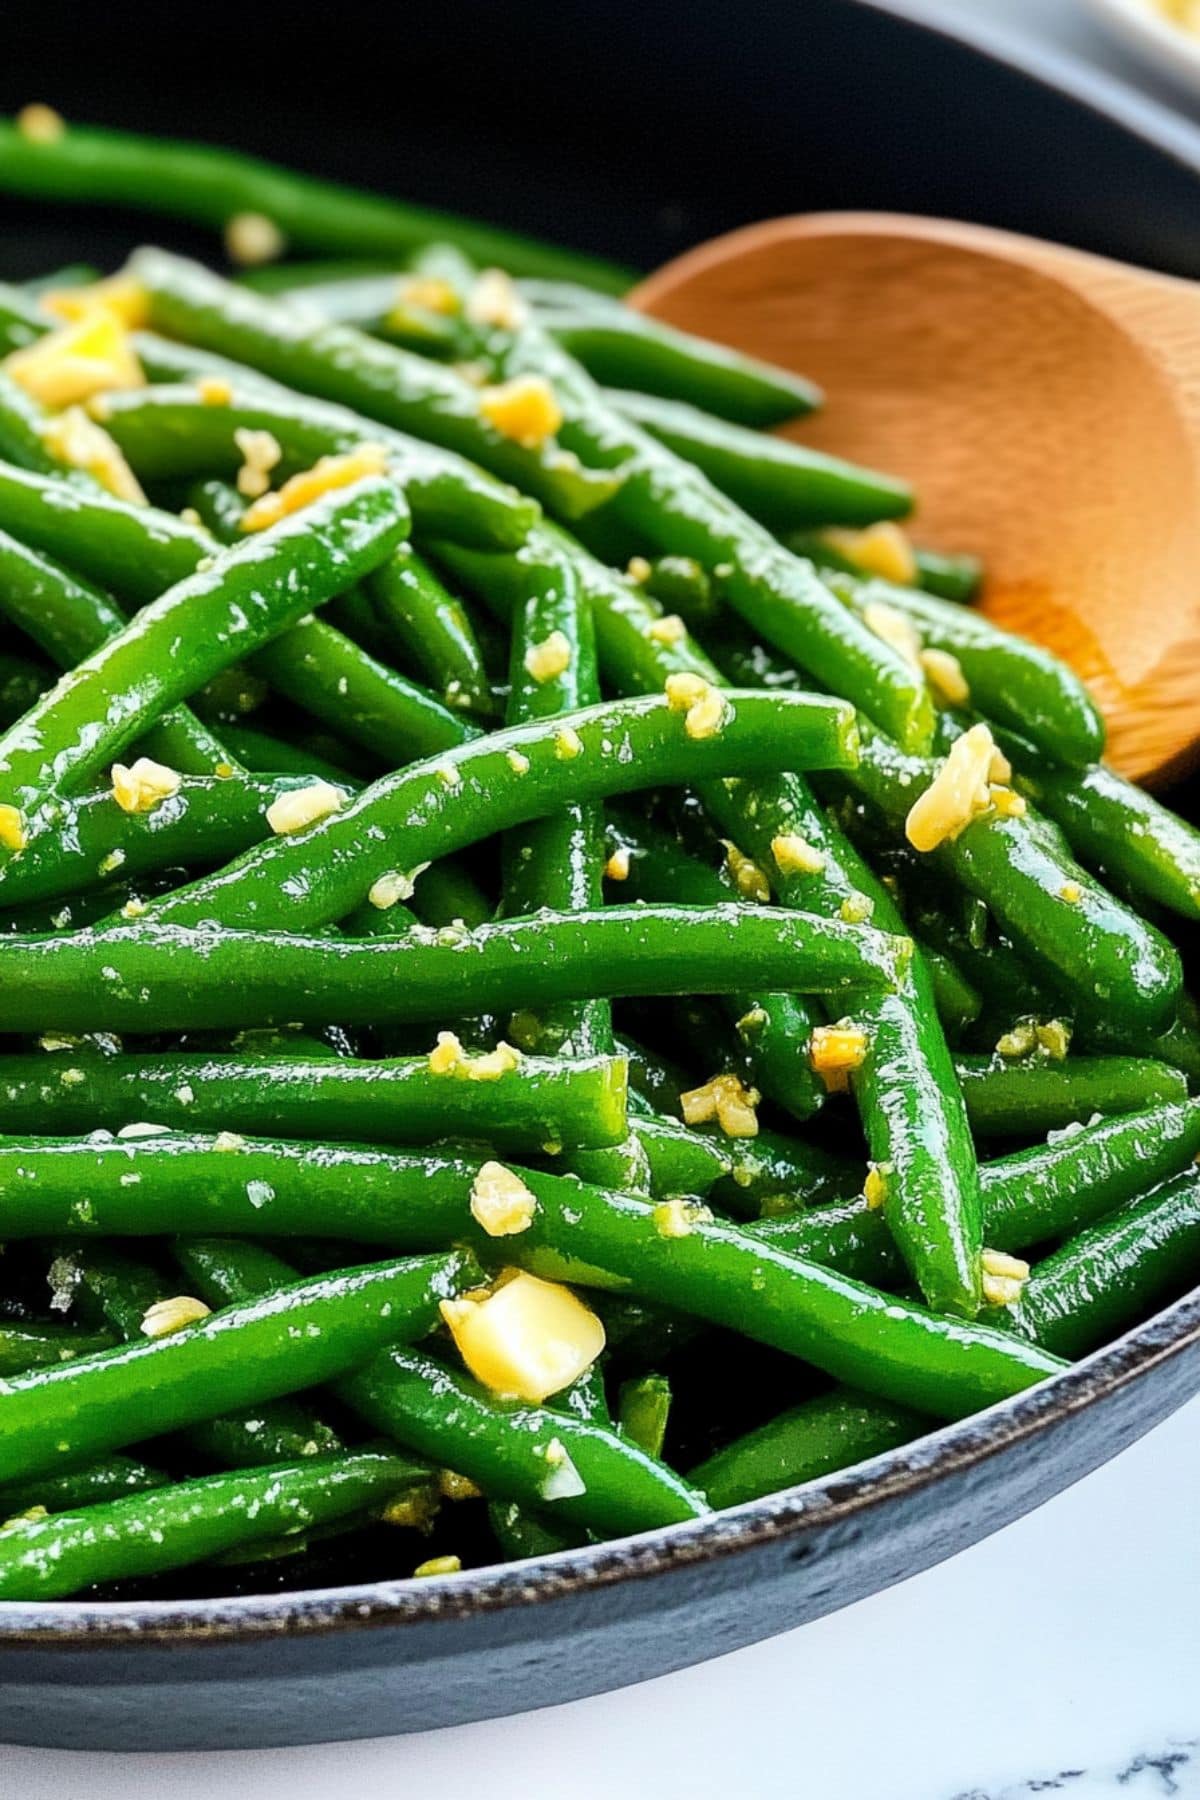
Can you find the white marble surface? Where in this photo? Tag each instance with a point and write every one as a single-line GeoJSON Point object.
{"type": "Point", "coordinates": [1061, 1657]}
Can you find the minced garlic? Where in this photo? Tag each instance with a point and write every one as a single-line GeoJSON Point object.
{"type": "Point", "coordinates": [261, 452]}
{"type": "Point", "coordinates": [835, 1051]}
{"type": "Point", "coordinates": [794, 855]}
{"type": "Point", "coordinates": [495, 300]}
{"type": "Point", "coordinates": [143, 786]}
{"type": "Point", "coordinates": [453, 1486]}
{"type": "Point", "coordinates": [120, 295]}
{"type": "Point", "coordinates": [856, 909]}
{"type": "Point", "coordinates": [567, 743]}
{"type": "Point", "coordinates": [437, 1565]}
{"type": "Point", "coordinates": [500, 1201]}
{"type": "Point", "coordinates": [327, 474]}
{"type": "Point", "coordinates": [431, 293]}
{"type": "Point", "coordinates": [1054, 1037]}
{"type": "Point", "coordinates": [704, 705]}
{"type": "Point", "coordinates": [638, 569]}
{"type": "Point", "coordinates": [881, 549]}
{"type": "Point", "coordinates": [617, 866]}
{"type": "Point", "coordinates": [524, 409]}
{"type": "Point", "coordinates": [252, 239]}
{"type": "Point", "coordinates": [12, 827]}
{"type": "Point", "coordinates": [76, 440]}
{"type": "Point", "coordinates": [39, 124]}
{"type": "Point", "coordinates": [302, 807]}
{"type": "Point", "coordinates": [748, 878]}
{"type": "Point", "coordinates": [167, 1316]}
{"type": "Point", "coordinates": [893, 629]}
{"type": "Point", "coordinates": [678, 1218]}
{"type": "Point", "coordinates": [448, 1057]}
{"type": "Point", "coordinates": [549, 658]}
{"type": "Point", "coordinates": [1019, 1041]}
{"type": "Point", "coordinates": [876, 1184]}
{"type": "Point", "coordinates": [726, 1099]}
{"type": "Point", "coordinates": [958, 793]}
{"type": "Point", "coordinates": [393, 887]}
{"type": "Point", "coordinates": [945, 676]}
{"type": "Point", "coordinates": [1004, 1277]}
{"type": "Point", "coordinates": [1008, 804]}
{"type": "Point", "coordinates": [214, 390]}
{"type": "Point", "coordinates": [76, 362]}
{"type": "Point", "coordinates": [1071, 892]}
{"type": "Point", "coordinates": [517, 763]}
{"type": "Point", "coordinates": [525, 1338]}
{"type": "Point", "coordinates": [670, 629]}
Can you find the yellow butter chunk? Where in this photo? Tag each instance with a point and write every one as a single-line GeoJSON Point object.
{"type": "Point", "coordinates": [251, 239]}
{"type": "Point", "coordinates": [881, 549]}
{"type": "Point", "coordinates": [328, 473]}
{"type": "Point", "coordinates": [527, 1338]}
{"type": "Point", "coordinates": [835, 1051]}
{"type": "Point", "coordinates": [794, 855]}
{"type": "Point", "coordinates": [945, 676]}
{"type": "Point", "coordinates": [429, 292]}
{"type": "Point", "coordinates": [302, 807]}
{"type": "Point", "coordinates": [120, 295]}
{"type": "Point", "coordinates": [704, 706]}
{"type": "Point", "coordinates": [74, 439]}
{"type": "Point", "coordinates": [549, 658]}
{"type": "Point", "coordinates": [500, 1201]}
{"type": "Point", "coordinates": [166, 1316]}
{"type": "Point", "coordinates": [144, 785]}
{"type": "Point", "coordinates": [524, 409]}
{"type": "Point", "coordinates": [958, 793]}
{"type": "Point", "coordinates": [12, 828]}
{"type": "Point", "coordinates": [496, 300]}
{"type": "Point", "coordinates": [726, 1099]}
{"type": "Point", "coordinates": [89, 357]}
{"type": "Point", "coordinates": [1004, 1277]}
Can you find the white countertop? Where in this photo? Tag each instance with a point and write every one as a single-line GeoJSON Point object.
{"type": "Point", "coordinates": [1061, 1657]}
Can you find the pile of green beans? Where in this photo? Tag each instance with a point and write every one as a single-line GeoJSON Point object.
{"type": "Point", "coordinates": [465, 938]}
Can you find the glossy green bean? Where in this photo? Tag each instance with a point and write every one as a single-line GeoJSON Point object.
{"type": "Point", "coordinates": [21, 681]}
{"type": "Point", "coordinates": [292, 1339]}
{"type": "Point", "coordinates": [643, 1411]}
{"type": "Point", "coordinates": [1021, 1097]}
{"type": "Point", "coordinates": [780, 482]}
{"type": "Point", "coordinates": [432, 627]}
{"type": "Point", "coordinates": [193, 1521]}
{"type": "Point", "coordinates": [580, 1103]}
{"type": "Point", "coordinates": [112, 1478]}
{"type": "Point", "coordinates": [820, 1436]}
{"type": "Point", "coordinates": [36, 1346]}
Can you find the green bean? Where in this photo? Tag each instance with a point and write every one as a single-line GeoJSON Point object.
{"type": "Point", "coordinates": [1013, 681]}
{"type": "Point", "coordinates": [342, 365]}
{"type": "Point", "coordinates": [952, 575]}
{"type": "Point", "coordinates": [193, 1521]}
{"type": "Point", "coordinates": [432, 627]}
{"type": "Point", "coordinates": [296, 1337]}
{"type": "Point", "coordinates": [443, 1414]}
{"type": "Point", "coordinates": [679, 1161]}
{"type": "Point", "coordinates": [643, 1411]}
{"type": "Point", "coordinates": [210, 186]}
{"type": "Point", "coordinates": [1121, 830]}
{"type": "Point", "coordinates": [21, 681]}
{"type": "Point", "coordinates": [772, 1175]}
{"type": "Point", "coordinates": [771, 1031]}
{"type": "Point", "coordinates": [1020, 1097]}
{"type": "Point", "coordinates": [579, 1103]}
{"type": "Point", "coordinates": [149, 976]}
{"type": "Point", "coordinates": [957, 1003]}
{"type": "Point", "coordinates": [22, 425]}
{"type": "Point", "coordinates": [829, 1432]}
{"type": "Point", "coordinates": [525, 772]}
{"type": "Point", "coordinates": [1115, 1272]}
{"type": "Point", "coordinates": [263, 753]}
{"type": "Point", "coordinates": [779, 482]}
{"type": "Point", "coordinates": [191, 631]}
{"type": "Point", "coordinates": [655, 1083]}
{"type": "Point", "coordinates": [112, 1478]}
{"type": "Point", "coordinates": [35, 1346]}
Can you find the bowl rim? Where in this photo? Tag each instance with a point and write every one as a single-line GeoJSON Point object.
{"type": "Point", "coordinates": [823, 1504]}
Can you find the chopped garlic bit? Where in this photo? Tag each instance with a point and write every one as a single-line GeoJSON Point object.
{"type": "Point", "coordinates": [301, 807]}
{"type": "Point", "coordinates": [449, 1058]}
{"type": "Point", "coordinates": [452, 1486]}
{"type": "Point", "coordinates": [549, 658]}
{"type": "Point", "coordinates": [39, 124]}
{"type": "Point", "coordinates": [1054, 1037]}
{"type": "Point", "coordinates": [524, 409]}
{"type": "Point", "coordinates": [252, 239]}
{"type": "Point", "coordinates": [12, 827]}
{"type": "Point", "coordinates": [214, 390]}
{"type": "Point", "coordinates": [894, 630]}
{"type": "Point", "coordinates": [435, 1565]}
{"type": "Point", "coordinates": [617, 866]}
{"type": "Point", "coordinates": [394, 887]}
{"type": "Point", "coordinates": [726, 1099]}
{"type": "Point", "coordinates": [495, 300]}
{"type": "Point", "coordinates": [856, 909]}
{"type": "Point", "coordinates": [638, 569]}
{"type": "Point", "coordinates": [261, 452]}
{"type": "Point", "coordinates": [1004, 1277]}
{"type": "Point", "coordinates": [881, 549]}
{"type": "Point", "coordinates": [1008, 804]}
{"type": "Point", "coordinates": [1019, 1041]}
{"type": "Point", "coordinates": [876, 1185]}
{"type": "Point", "coordinates": [563, 1480]}
{"type": "Point", "coordinates": [567, 744]}
{"type": "Point", "coordinates": [120, 295]}
{"type": "Point", "coordinates": [525, 1338]}
{"type": "Point", "coordinates": [431, 293]}
{"type": "Point", "coordinates": [945, 677]}
{"type": "Point", "coordinates": [144, 785]}
{"type": "Point", "coordinates": [517, 763]}
{"type": "Point", "coordinates": [167, 1316]}
{"type": "Point", "coordinates": [500, 1201]}
{"type": "Point", "coordinates": [794, 855]}
{"type": "Point", "coordinates": [326, 474]}
{"type": "Point", "coordinates": [958, 793]}
{"type": "Point", "coordinates": [1071, 892]}
{"type": "Point", "coordinates": [76, 440]}
{"type": "Point", "coordinates": [670, 629]}
{"type": "Point", "coordinates": [228, 1140]}
{"type": "Point", "coordinates": [678, 1218]}
{"type": "Point", "coordinates": [748, 878]}
{"type": "Point", "coordinates": [89, 357]}
{"type": "Point", "coordinates": [705, 706]}
{"type": "Point", "coordinates": [835, 1051]}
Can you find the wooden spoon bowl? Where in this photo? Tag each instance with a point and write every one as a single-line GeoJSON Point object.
{"type": "Point", "coordinates": [1045, 404]}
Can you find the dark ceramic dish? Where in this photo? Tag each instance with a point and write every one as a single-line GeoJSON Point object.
{"type": "Point", "coordinates": [634, 128]}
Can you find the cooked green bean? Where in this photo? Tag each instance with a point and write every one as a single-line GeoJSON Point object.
{"type": "Point", "coordinates": [35, 1346]}
{"type": "Point", "coordinates": [1020, 1097]}
{"type": "Point", "coordinates": [112, 1478]}
{"type": "Point", "coordinates": [815, 1438]}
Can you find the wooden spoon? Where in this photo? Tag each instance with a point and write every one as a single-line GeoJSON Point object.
{"type": "Point", "coordinates": [1045, 403]}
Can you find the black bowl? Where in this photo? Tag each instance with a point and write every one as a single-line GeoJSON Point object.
{"type": "Point", "coordinates": [631, 129]}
